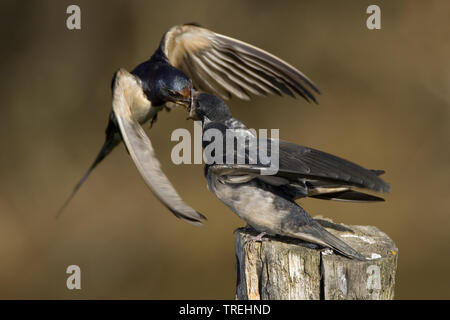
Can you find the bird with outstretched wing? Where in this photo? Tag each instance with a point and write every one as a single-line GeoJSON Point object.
{"type": "Point", "coordinates": [190, 56]}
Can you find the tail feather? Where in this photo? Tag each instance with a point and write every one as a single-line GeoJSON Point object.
{"type": "Point", "coordinates": [315, 233]}
{"type": "Point", "coordinates": [339, 245]}
{"type": "Point", "coordinates": [348, 195]}
{"type": "Point", "coordinates": [378, 172]}
{"type": "Point", "coordinates": [113, 138]}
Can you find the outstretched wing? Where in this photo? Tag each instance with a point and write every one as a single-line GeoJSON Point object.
{"type": "Point", "coordinates": [228, 67]}
{"type": "Point", "coordinates": [140, 148]}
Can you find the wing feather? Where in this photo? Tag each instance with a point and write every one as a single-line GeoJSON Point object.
{"type": "Point", "coordinates": [295, 158]}
{"type": "Point", "coordinates": [263, 84]}
{"type": "Point", "coordinates": [300, 164]}
{"type": "Point", "coordinates": [239, 68]}
{"type": "Point", "coordinates": [222, 78]}
{"type": "Point", "coordinates": [233, 74]}
{"type": "Point", "coordinates": [267, 73]}
{"type": "Point", "coordinates": [269, 81]}
{"type": "Point", "coordinates": [204, 80]}
{"type": "Point", "coordinates": [141, 150]}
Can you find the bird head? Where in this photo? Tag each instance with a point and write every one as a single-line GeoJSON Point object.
{"type": "Point", "coordinates": [173, 86]}
{"type": "Point", "coordinates": [208, 107]}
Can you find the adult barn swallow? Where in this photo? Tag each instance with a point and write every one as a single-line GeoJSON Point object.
{"type": "Point", "coordinates": [126, 90]}
{"type": "Point", "coordinates": [190, 56]}
{"type": "Point", "coordinates": [267, 202]}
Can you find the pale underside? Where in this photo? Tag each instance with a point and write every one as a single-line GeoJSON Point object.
{"type": "Point", "coordinates": [126, 92]}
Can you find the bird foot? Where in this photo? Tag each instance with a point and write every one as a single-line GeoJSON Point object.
{"type": "Point", "coordinates": [168, 106]}
{"type": "Point", "coordinates": [326, 251]}
{"type": "Point", "coordinates": [253, 239]}
{"type": "Point", "coordinates": [153, 120]}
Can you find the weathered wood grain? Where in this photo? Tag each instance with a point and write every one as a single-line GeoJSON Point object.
{"type": "Point", "coordinates": [289, 269]}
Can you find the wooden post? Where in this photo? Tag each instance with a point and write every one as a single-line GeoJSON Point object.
{"type": "Point", "coordinates": [289, 269]}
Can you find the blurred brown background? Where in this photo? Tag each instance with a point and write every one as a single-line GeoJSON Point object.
{"type": "Point", "coordinates": [384, 104]}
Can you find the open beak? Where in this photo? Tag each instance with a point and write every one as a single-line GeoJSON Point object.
{"type": "Point", "coordinates": [191, 108]}
{"type": "Point", "coordinates": [186, 98]}
{"type": "Point", "coordinates": [191, 99]}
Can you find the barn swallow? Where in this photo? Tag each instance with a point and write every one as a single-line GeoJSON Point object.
{"type": "Point", "coordinates": [267, 202]}
{"type": "Point", "coordinates": [127, 89]}
{"type": "Point", "coordinates": [190, 56]}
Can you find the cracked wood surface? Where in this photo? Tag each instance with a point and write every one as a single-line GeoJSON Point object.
{"type": "Point", "coordinates": [289, 269]}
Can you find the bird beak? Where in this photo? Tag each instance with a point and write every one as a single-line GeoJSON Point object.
{"type": "Point", "coordinates": [191, 100]}
{"type": "Point", "coordinates": [186, 95]}
{"type": "Point", "coordinates": [192, 114]}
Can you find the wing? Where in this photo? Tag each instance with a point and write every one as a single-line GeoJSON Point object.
{"type": "Point", "coordinates": [317, 165]}
{"type": "Point", "coordinates": [308, 172]}
{"type": "Point", "coordinates": [141, 150]}
{"type": "Point", "coordinates": [228, 67]}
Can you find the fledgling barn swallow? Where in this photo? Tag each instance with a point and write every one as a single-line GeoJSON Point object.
{"type": "Point", "coordinates": [267, 202]}
{"type": "Point", "coordinates": [190, 56]}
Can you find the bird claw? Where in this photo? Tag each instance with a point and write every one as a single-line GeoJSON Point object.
{"type": "Point", "coordinates": [153, 120]}
{"type": "Point", "coordinates": [253, 239]}
{"type": "Point", "coordinates": [168, 106]}
{"type": "Point", "coordinates": [326, 251]}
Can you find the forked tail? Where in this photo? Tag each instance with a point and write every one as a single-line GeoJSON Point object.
{"type": "Point", "coordinates": [113, 138]}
